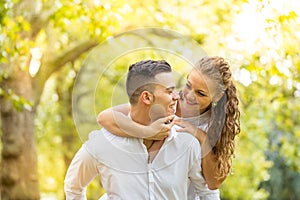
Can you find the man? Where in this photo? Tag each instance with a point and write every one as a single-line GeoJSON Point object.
{"type": "Point", "coordinates": [132, 168]}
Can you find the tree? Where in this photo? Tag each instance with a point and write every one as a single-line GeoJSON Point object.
{"type": "Point", "coordinates": [29, 33]}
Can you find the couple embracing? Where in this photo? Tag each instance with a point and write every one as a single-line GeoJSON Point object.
{"type": "Point", "coordinates": [163, 145]}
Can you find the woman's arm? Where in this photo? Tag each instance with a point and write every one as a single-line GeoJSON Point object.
{"type": "Point", "coordinates": [116, 121]}
{"type": "Point", "coordinates": [108, 117]}
{"type": "Point", "coordinates": [208, 163]}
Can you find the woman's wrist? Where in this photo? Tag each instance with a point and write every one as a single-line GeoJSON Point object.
{"type": "Point", "coordinates": [146, 131]}
{"type": "Point", "coordinates": [200, 135]}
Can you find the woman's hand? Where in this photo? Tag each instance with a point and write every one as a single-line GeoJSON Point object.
{"type": "Point", "coordinates": [191, 129]}
{"type": "Point", "coordinates": [159, 129]}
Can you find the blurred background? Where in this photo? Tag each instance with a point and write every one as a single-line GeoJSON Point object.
{"type": "Point", "coordinates": [44, 45]}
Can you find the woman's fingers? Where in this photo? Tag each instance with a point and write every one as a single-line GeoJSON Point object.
{"type": "Point", "coordinates": [186, 127]}
{"type": "Point", "coordinates": [161, 127]}
{"type": "Point", "coordinates": [164, 120]}
{"type": "Point", "coordinates": [160, 135]}
{"type": "Point", "coordinates": [169, 119]}
{"type": "Point", "coordinates": [171, 124]}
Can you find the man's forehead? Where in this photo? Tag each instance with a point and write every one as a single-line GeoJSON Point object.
{"type": "Point", "coordinates": [165, 79]}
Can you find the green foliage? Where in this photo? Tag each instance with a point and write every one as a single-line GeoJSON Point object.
{"type": "Point", "coordinates": [3, 10]}
{"type": "Point", "coordinates": [14, 44]}
{"type": "Point", "coordinates": [284, 182]}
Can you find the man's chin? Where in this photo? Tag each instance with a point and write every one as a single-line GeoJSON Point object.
{"type": "Point", "coordinates": [170, 112]}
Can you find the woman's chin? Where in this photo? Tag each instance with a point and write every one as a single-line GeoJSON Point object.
{"type": "Point", "coordinates": [186, 114]}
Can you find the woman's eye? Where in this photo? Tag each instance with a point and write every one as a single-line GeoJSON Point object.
{"type": "Point", "coordinates": [200, 94]}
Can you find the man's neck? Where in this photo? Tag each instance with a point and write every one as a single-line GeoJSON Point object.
{"type": "Point", "coordinates": [141, 118]}
{"type": "Point", "coordinates": [140, 115]}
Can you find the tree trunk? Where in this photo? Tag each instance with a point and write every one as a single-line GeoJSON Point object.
{"type": "Point", "coordinates": [19, 178]}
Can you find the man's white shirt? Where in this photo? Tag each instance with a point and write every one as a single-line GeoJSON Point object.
{"type": "Point", "coordinates": [125, 172]}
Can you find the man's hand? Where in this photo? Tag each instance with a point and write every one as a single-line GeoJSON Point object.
{"type": "Point", "coordinates": [160, 129]}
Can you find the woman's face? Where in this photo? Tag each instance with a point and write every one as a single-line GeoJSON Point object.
{"type": "Point", "coordinates": [196, 95]}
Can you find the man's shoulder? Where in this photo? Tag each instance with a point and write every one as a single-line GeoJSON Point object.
{"type": "Point", "coordinates": [184, 139]}
{"type": "Point", "coordinates": [102, 140]}
{"type": "Point", "coordinates": [99, 135]}
{"type": "Point", "coordinates": [125, 154]}
{"type": "Point", "coordinates": [94, 134]}
{"type": "Point", "coordinates": [98, 139]}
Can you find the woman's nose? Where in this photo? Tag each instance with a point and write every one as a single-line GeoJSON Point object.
{"type": "Point", "coordinates": [191, 96]}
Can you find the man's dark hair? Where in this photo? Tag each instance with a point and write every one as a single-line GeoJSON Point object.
{"type": "Point", "coordinates": [141, 77]}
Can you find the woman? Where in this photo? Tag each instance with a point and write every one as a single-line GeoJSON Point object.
{"type": "Point", "coordinates": [208, 106]}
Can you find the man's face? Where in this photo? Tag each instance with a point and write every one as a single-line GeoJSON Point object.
{"type": "Point", "coordinates": [165, 97]}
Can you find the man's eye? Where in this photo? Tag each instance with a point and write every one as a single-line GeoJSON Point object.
{"type": "Point", "coordinates": [171, 91]}
{"type": "Point", "coordinates": [188, 86]}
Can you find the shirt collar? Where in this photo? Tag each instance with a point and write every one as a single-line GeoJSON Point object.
{"type": "Point", "coordinates": [173, 133]}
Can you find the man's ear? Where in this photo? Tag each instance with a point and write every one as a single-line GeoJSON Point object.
{"type": "Point", "coordinates": [146, 97]}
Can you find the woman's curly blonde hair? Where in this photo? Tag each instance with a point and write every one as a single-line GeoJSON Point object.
{"type": "Point", "coordinates": [224, 123]}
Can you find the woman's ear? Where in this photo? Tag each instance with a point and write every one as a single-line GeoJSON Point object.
{"type": "Point", "coordinates": [146, 97]}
